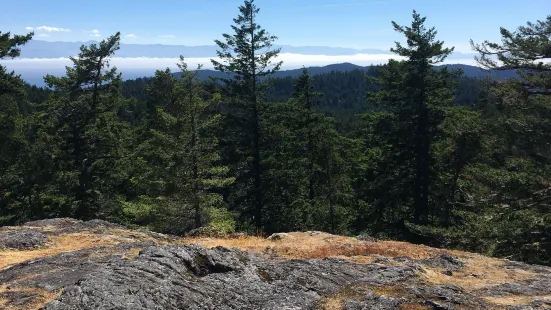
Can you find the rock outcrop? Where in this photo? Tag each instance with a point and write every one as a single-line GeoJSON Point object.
{"type": "Point", "coordinates": [23, 239]}
{"type": "Point", "coordinates": [99, 265]}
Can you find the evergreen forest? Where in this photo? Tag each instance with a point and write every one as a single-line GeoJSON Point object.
{"type": "Point", "coordinates": [410, 150]}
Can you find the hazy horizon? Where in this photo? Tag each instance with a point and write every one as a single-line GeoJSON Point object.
{"type": "Point", "coordinates": [311, 32]}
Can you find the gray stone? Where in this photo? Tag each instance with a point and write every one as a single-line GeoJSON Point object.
{"type": "Point", "coordinates": [366, 237]}
{"type": "Point", "coordinates": [23, 239]}
{"type": "Point", "coordinates": [280, 236]}
{"type": "Point", "coordinates": [57, 222]}
{"type": "Point", "coordinates": [194, 277]}
{"type": "Point", "coordinates": [444, 261]}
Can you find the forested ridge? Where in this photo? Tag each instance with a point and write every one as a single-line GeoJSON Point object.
{"type": "Point", "coordinates": [410, 150]}
{"type": "Point", "coordinates": [343, 92]}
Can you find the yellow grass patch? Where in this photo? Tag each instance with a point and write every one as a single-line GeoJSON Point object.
{"type": "Point", "coordinates": [479, 272]}
{"type": "Point", "coordinates": [336, 300]}
{"type": "Point", "coordinates": [68, 243]}
{"type": "Point", "coordinates": [391, 291]}
{"type": "Point", "coordinates": [41, 297]}
{"type": "Point", "coordinates": [321, 245]}
{"type": "Point", "coordinates": [514, 300]}
{"type": "Point", "coordinates": [414, 307]}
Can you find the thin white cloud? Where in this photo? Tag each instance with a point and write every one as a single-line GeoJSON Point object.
{"type": "Point", "coordinates": [167, 36]}
{"type": "Point", "coordinates": [95, 33]}
{"type": "Point", "coordinates": [131, 35]}
{"type": "Point", "coordinates": [43, 35]}
{"type": "Point", "coordinates": [29, 28]}
{"type": "Point", "coordinates": [52, 29]}
{"type": "Point", "coordinates": [34, 68]}
{"type": "Point", "coordinates": [290, 61]}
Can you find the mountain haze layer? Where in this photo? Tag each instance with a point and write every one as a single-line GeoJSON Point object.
{"type": "Point", "coordinates": [39, 58]}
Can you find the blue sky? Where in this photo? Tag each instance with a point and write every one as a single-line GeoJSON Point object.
{"type": "Point", "coordinates": [339, 23]}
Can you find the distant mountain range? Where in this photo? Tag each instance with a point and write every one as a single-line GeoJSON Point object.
{"type": "Point", "coordinates": [468, 71]}
{"type": "Point", "coordinates": [47, 49]}
{"type": "Point", "coordinates": [39, 58]}
{"type": "Point", "coordinates": [35, 78]}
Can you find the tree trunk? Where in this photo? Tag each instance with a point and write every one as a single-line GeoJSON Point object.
{"type": "Point", "coordinates": [422, 178]}
{"type": "Point", "coordinates": [311, 195]}
{"type": "Point", "coordinates": [256, 136]}
{"type": "Point", "coordinates": [194, 159]}
{"type": "Point", "coordinates": [331, 193]}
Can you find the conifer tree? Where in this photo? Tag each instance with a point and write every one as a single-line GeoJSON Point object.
{"type": "Point", "coordinates": [525, 50]}
{"type": "Point", "coordinates": [248, 56]}
{"type": "Point", "coordinates": [10, 48]}
{"type": "Point", "coordinates": [513, 181]}
{"type": "Point", "coordinates": [201, 149]}
{"type": "Point", "coordinates": [81, 116]}
{"type": "Point", "coordinates": [180, 171]}
{"type": "Point", "coordinates": [306, 97]}
{"type": "Point", "coordinates": [413, 92]}
{"type": "Point", "coordinates": [12, 140]}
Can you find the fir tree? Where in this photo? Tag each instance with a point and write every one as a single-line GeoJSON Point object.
{"type": "Point", "coordinates": [12, 139]}
{"type": "Point", "coordinates": [524, 50]}
{"type": "Point", "coordinates": [513, 180]}
{"type": "Point", "coordinates": [247, 54]}
{"type": "Point", "coordinates": [82, 118]}
{"type": "Point", "coordinates": [180, 174]}
{"type": "Point", "coordinates": [306, 97]}
{"type": "Point", "coordinates": [413, 92]}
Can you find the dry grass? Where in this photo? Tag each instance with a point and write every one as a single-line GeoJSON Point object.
{"type": "Point", "coordinates": [336, 300]}
{"type": "Point", "coordinates": [40, 298]}
{"type": "Point", "coordinates": [414, 307]}
{"type": "Point", "coordinates": [479, 272]}
{"type": "Point", "coordinates": [391, 291]}
{"type": "Point", "coordinates": [322, 245]}
{"type": "Point", "coordinates": [514, 300]}
{"type": "Point", "coordinates": [69, 243]}
{"type": "Point", "coordinates": [132, 253]}
{"type": "Point", "coordinates": [61, 244]}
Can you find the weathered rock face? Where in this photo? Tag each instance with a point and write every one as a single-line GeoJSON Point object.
{"type": "Point", "coordinates": [23, 239]}
{"type": "Point", "coordinates": [151, 271]}
{"type": "Point", "coordinates": [193, 277]}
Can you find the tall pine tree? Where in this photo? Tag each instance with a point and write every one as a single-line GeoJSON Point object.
{"type": "Point", "coordinates": [306, 97]}
{"type": "Point", "coordinates": [247, 55]}
{"type": "Point", "coordinates": [12, 140]}
{"type": "Point", "coordinates": [179, 173]}
{"type": "Point", "coordinates": [82, 118]}
{"type": "Point", "coordinates": [412, 95]}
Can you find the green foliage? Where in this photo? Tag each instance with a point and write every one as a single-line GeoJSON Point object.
{"type": "Point", "coordinates": [501, 198]}
{"type": "Point", "coordinates": [11, 84]}
{"type": "Point", "coordinates": [400, 141]}
{"type": "Point", "coordinates": [80, 120]}
{"type": "Point", "coordinates": [248, 55]}
{"type": "Point", "coordinates": [220, 221]}
{"type": "Point", "coordinates": [12, 131]}
{"type": "Point", "coordinates": [525, 50]}
{"type": "Point", "coordinates": [307, 164]}
{"type": "Point", "coordinates": [249, 153]}
{"type": "Point", "coordinates": [177, 161]}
